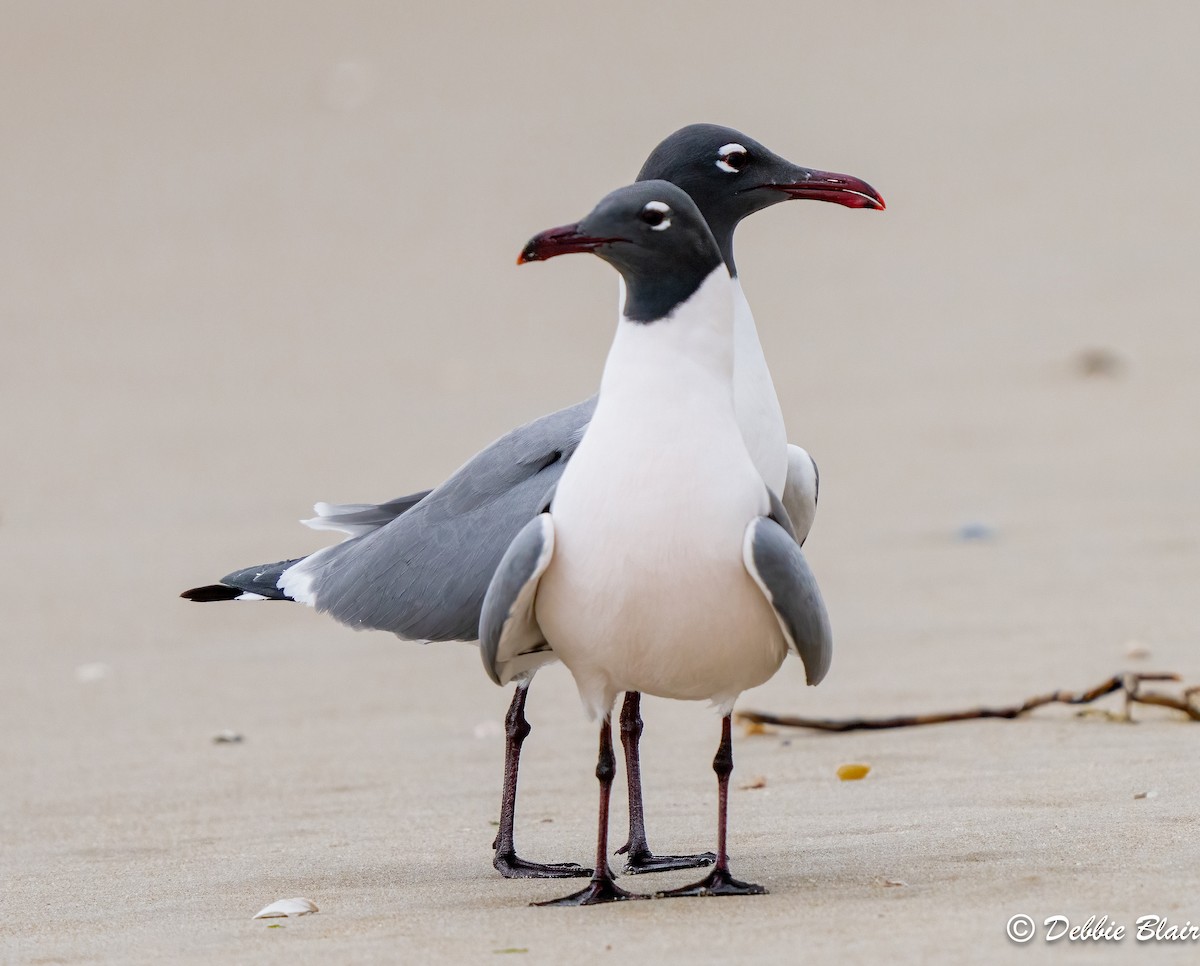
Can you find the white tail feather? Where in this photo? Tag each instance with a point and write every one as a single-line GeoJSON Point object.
{"type": "Point", "coordinates": [327, 512]}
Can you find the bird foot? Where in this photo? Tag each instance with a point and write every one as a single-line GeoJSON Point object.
{"type": "Point", "coordinates": [511, 867]}
{"type": "Point", "coordinates": [644, 860]}
{"type": "Point", "coordinates": [600, 889]}
{"type": "Point", "coordinates": [717, 883]}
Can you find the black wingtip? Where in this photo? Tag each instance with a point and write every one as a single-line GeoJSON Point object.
{"type": "Point", "coordinates": [211, 592]}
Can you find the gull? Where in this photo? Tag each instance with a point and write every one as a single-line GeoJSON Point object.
{"type": "Point", "coordinates": [662, 563]}
{"type": "Point", "coordinates": [419, 565]}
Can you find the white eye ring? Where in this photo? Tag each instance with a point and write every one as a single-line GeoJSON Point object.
{"type": "Point", "coordinates": [663, 209]}
{"type": "Point", "coordinates": [728, 150]}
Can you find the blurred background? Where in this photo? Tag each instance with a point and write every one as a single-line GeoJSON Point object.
{"type": "Point", "coordinates": [256, 255]}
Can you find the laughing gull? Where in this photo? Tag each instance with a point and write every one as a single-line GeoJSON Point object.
{"type": "Point", "coordinates": [419, 565]}
{"type": "Point", "coordinates": [663, 563]}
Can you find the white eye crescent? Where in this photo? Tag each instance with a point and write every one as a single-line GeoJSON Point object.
{"type": "Point", "coordinates": [732, 157]}
{"type": "Point", "coordinates": [657, 215]}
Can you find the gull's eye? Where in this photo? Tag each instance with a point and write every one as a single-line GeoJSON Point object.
{"type": "Point", "coordinates": [731, 158]}
{"type": "Point", "coordinates": [656, 215]}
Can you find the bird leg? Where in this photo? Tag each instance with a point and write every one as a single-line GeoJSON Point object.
{"type": "Point", "coordinates": [719, 882]}
{"type": "Point", "coordinates": [602, 888]}
{"type": "Point", "coordinates": [638, 857]}
{"type": "Point", "coordinates": [506, 861]}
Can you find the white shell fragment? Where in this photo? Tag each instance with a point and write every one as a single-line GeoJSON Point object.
{"type": "Point", "coordinates": [227, 737]}
{"type": "Point", "coordinates": [1136, 650]}
{"type": "Point", "coordinates": [90, 673]}
{"type": "Point", "coordinates": [488, 729]}
{"type": "Point", "coordinates": [287, 907]}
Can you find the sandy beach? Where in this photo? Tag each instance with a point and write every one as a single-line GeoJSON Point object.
{"type": "Point", "coordinates": [256, 256]}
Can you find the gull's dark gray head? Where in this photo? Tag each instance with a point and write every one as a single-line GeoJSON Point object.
{"type": "Point", "coordinates": [730, 176]}
{"type": "Point", "coordinates": [652, 233]}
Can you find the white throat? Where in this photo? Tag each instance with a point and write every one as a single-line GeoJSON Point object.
{"type": "Point", "coordinates": [694, 341]}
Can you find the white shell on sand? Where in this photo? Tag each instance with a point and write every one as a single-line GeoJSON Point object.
{"type": "Point", "coordinates": [90, 673]}
{"type": "Point", "coordinates": [287, 907]}
{"type": "Point", "coordinates": [488, 729]}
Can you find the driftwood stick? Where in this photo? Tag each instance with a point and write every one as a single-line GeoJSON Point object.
{"type": "Point", "coordinates": [1128, 684]}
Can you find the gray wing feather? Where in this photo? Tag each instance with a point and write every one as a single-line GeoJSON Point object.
{"type": "Point", "coordinates": [777, 565]}
{"type": "Point", "coordinates": [423, 576]}
{"type": "Point", "coordinates": [779, 513]}
{"type": "Point", "coordinates": [510, 641]}
{"type": "Point", "coordinates": [800, 491]}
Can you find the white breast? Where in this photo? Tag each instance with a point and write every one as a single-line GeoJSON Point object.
{"type": "Point", "coordinates": [647, 590]}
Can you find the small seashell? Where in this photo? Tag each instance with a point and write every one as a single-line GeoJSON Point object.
{"type": "Point", "coordinates": [90, 673]}
{"type": "Point", "coordinates": [853, 772]}
{"type": "Point", "coordinates": [758, 781]}
{"type": "Point", "coordinates": [1147, 794]}
{"type": "Point", "coordinates": [227, 737]}
{"type": "Point", "coordinates": [488, 729]}
{"type": "Point", "coordinates": [894, 883]}
{"type": "Point", "coordinates": [1136, 650]}
{"type": "Point", "coordinates": [287, 907]}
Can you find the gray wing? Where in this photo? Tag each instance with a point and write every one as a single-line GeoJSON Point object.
{"type": "Point", "coordinates": [262, 582]}
{"type": "Point", "coordinates": [424, 575]}
{"type": "Point", "coordinates": [510, 641]}
{"type": "Point", "coordinates": [359, 518]}
{"type": "Point", "coordinates": [777, 565]}
{"type": "Point", "coordinates": [800, 491]}
{"type": "Point", "coordinates": [780, 515]}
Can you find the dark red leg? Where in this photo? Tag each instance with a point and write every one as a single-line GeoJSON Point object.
{"type": "Point", "coordinates": [638, 857]}
{"type": "Point", "coordinates": [719, 882]}
{"type": "Point", "coordinates": [601, 888]}
{"type": "Point", "coordinates": [505, 860]}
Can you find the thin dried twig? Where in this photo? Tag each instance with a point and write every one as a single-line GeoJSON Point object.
{"type": "Point", "coordinates": [1128, 684]}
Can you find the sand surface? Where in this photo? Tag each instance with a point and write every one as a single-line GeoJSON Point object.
{"type": "Point", "coordinates": [258, 255]}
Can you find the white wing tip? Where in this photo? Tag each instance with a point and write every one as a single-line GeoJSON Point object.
{"type": "Point", "coordinates": [296, 582]}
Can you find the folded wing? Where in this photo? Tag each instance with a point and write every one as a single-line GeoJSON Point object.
{"type": "Point", "coordinates": [510, 640]}
{"type": "Point", "coordinates": [775, 561]}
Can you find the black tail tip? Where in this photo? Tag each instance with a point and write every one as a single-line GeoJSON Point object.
{"type": "Point", "coordinates": [211, 592]}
